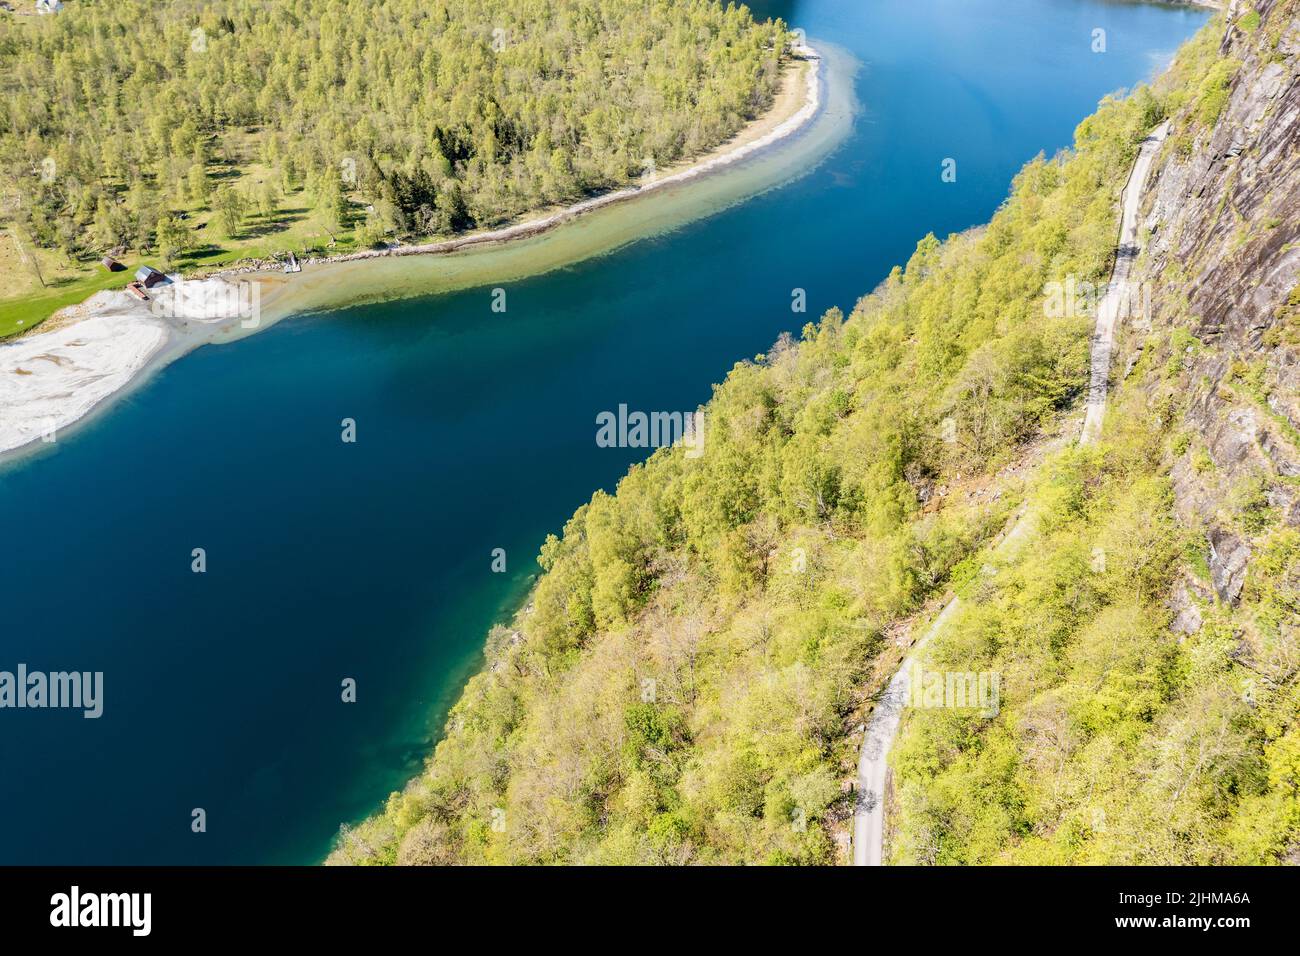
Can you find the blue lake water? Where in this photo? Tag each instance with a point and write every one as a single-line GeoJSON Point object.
{"type": "Point", "coordinates": [476, 431]}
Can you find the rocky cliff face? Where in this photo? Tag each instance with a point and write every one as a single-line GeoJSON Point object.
{"type": "Point", "coordinates": [1223, 263]}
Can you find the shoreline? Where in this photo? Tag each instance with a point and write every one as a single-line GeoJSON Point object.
{"type": "Point", "coordinates": [88, 355]}
{"type": "Point", "coordinates": [756, 135]}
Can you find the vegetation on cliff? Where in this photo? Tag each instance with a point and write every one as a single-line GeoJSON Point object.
{"type": "Point", "coordinates": [683, 683]}
{"type": "Point", "coordinates": [1149, 641]}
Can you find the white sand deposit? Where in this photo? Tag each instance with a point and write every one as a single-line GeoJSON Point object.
{"type": "Point", "coordinates": [48, 380]}
{"type": "Point", "coordinates": [51, 378]}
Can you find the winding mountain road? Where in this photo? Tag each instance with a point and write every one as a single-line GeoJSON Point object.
{"type": "Point", "coordinates": [882, 728]}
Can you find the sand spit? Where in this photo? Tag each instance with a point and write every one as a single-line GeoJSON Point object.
{"type": "Point", "coordinates": [86, 353]}
{"type": "Point", "coordinates": [743, 146]}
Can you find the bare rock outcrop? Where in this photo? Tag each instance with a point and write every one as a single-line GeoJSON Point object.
{"type": "Point", "coordinates": [1223, 264]}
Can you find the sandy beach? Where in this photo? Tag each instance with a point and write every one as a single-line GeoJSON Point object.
{"type": "Point", "coordinates": [56, 375]}
{"type": "Point", "coordinates": [52, 378]}
{"type": "Point", "coordinates": [82, 356]}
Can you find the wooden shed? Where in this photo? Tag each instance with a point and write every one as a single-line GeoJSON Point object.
{"type": "Point", "coordinates": [149, 277]}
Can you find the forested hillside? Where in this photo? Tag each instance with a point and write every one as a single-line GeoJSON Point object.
{"type": "Point", "coordinates": [688, 680]}
{"type": "Point", "coordinates": [186, 130]}
{"type": "Point", "coordinates": [1149, 641]}
{"type": "Point", "coordinates": [685, 682]}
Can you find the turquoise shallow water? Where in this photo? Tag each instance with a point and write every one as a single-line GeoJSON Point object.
{"type": "Point", "coordinates": [475, 431]}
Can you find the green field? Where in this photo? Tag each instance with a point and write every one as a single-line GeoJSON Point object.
{"type": "Point", "coordinates": [25, 303]}
{"type": "Point", "coordinates": [19, 313]}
